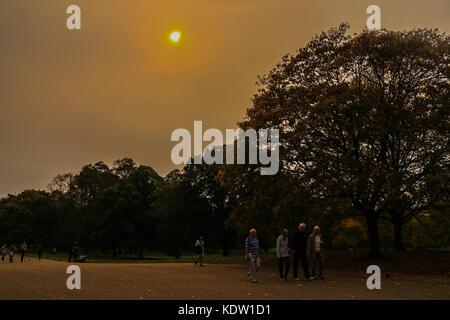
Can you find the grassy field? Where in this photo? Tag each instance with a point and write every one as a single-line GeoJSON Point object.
{"type": "Point", "coordinates": [149, 257]}
{"type": "Point", "coordinates": [418, 262]}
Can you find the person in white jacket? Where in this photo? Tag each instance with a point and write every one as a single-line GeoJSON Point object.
{"type": "Point", "coordinates": [283, 255]}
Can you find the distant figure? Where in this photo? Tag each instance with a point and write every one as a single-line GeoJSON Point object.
{"type": "Point", "coordinates": [299, 251]}
{"type": "Point", "coordinates": [252, 254]}
{"type": "Point", "coordinates": [53, 252]}
{"type": "Point", "coordinates": [199, 251]}
{"type": "Point", "coordinates": [283, 254]}
{"type": "Point", "coordinates": [75, 252]}
{"type": "Point", "coordinates": [70, 255]}
{"type": "Point", "coordinates": [12, 250]}
{"type": "Point", "coordinates": [4, 251]}
{"type": "Point", "coordinates": [23, 249]}
{"type": "Point", "coordinates": [40, 249]}
{"type": "Point", "coordinates": [315, 248]}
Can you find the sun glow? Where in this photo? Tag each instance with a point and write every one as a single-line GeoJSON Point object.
{"type": "Point", "coordinates": [175, 36]}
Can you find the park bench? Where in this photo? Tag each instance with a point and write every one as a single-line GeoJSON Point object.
{"type": "Point", "coordinates": [81, 259]}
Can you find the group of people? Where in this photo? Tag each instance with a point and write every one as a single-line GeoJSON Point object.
{"type": "Point", "coordinates": [73, 254]}
{"type": "Point", "coordinates": [303, 248]}
{"type": "Point", "coordinates": [12, 250]}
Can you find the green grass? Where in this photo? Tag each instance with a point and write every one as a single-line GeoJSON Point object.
{"type": "Point", "coordinates": [235, 257]}
{"type": "Point", "coordinates": [425, 262]}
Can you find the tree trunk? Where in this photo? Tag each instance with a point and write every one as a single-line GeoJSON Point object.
{"type": "Point", "coordinates": [374, 238]}
{"type": "Point", "coordinates": [225, 252]}
{"type": "Point", "coordinates": [225, 246]}
{"type": "Point", "coordinates": [398, 239]}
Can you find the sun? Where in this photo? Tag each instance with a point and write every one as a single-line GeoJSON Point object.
{"type": "Point", "coordinates": [175, 36]}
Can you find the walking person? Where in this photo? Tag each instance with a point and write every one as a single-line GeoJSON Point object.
{"type": "Point", "coordinates": [199, 251]}
{"type": "Point", "coordinates": [299, 252]}
{"type": "Point", "coordinates": [23, 249]}
{"type": "Point", "coordinates": [252, 254]}
{"type": "Point", "coordinates": [4, 251]}
{"type": "Point", "coordinates": [283, 254]}
{"type": "Point", "coordinates": [315, 251]}
{"type": "Point", "coordinates": [12, 251]}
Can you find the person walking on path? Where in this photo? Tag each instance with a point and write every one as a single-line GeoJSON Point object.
{"type": "Point", "coordinates": [252, 254]}
{"type": "Point", "coordinates": [283, 254]}
{"type": "Point", "coordinates": [315, 251]}
{"type": "Point", "coordinates": [199, 251]}
{"type": "Point", "coordinates": [4, 251]}
{"type": "Point", "coordinates": [12, 251]}
{"type": "Point", "coordinates": [23, 249]}
{"type": "Point", "coordinates": [299, 252]}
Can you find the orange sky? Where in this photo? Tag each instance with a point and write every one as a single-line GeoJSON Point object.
{"type": "Point", "coordinates": [117, 88]}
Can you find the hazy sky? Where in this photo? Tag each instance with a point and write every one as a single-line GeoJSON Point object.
{"type": "Point", "coordinates": [117, 88]}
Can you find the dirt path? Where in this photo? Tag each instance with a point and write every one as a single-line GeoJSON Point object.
{"type": "Point", "coordinates": [47, 280]}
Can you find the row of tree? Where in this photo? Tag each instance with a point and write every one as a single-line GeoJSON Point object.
{"type": "Point", "coordinates": [364, 123]}
{"type": "Point", "coordinates": [122, 207]}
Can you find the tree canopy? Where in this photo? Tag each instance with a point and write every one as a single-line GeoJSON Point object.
{"type": "Point", "coordinates": [364, 118]}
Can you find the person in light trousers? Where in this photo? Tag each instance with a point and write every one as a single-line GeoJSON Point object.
{"type": "Point", "coordinates": [252, 254]}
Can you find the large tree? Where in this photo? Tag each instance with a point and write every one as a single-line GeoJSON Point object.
{"type": "Point", "coordinates": [363, 118]}
{"type": "Point", "coordinates": [30, 216]}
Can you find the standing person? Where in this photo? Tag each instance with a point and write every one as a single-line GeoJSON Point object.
{"type": "Point", "coordinates": [12, 250]}
{"type": "Point", "coordinates": [75, 252]}
{"type": "Point", "coordinates": [4, 251]}
{"type": "Point", "coordinates": [252, 254]}
{"type": "Point", "coordinates": [299, 252]}
{"type": "Point", "coordinates": [23, 249]}
{"type": "Point", "coordinates": [40, 249]}
{"type": "Point", "coordinates": [70, 254]}
{"type": "Point", "coordinates": [199, 250]}
{"type": "Point", "coordinates": [315, 251]}
{"type": "Point", "coordinates": [53, 251]}
{"type": "Point", "coordinates": [283, 254]}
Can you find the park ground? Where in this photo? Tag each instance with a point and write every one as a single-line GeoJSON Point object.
{"type": "Point", "coordinates": [46, 279]}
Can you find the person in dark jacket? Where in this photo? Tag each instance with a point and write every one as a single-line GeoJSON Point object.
{"type": "Point", "coordinates": [12, 251]}
{"type": "Point", "coordinates": [70, 254]}
{"type": "Point", "coordinates": [23, 250]}
{"type": "Point", "coordinates": [40, 250]}
{"type": "Point", "coordinates": [299, 251]}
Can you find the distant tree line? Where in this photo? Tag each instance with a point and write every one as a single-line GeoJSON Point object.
{"type": "Point", "coordinates": [364, 152]}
